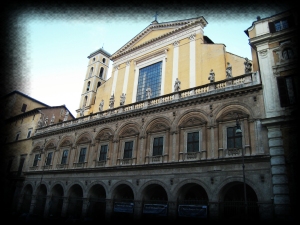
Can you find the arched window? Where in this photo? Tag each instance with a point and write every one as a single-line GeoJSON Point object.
{"type": "Point", "coordinates": [287, 53]}
{"type": "Point", "coordinates": [91, 72]}
{"type": "Point", "coordinates": [103, 60]}
{"type": "Point", "coordinates": [85, 101]}
{"type": "Point", "coordinates": [88, 86]}
{"type": "Point", "coordinates": [99, 84]}
{"type": "Point", "coordinates": [101, 72]}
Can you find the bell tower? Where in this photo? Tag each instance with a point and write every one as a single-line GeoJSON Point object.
{"type": "Point", "coordinates": [96, 75]}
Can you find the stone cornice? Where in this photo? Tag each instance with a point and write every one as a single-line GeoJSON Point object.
{"type": "Point", "coordinates": [236, 91]}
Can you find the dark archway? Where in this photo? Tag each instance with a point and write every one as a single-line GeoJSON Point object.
{"type": "Point", "coordinates": [97, 203]}
{"type": "Point", "coordinates": [123, 199]}
{"type": "Point", "coordinates": [192, 203]}
{"type": "Point", "coordinates": [234, 207]}
{"type": "Point", "coordinates": [75, 202]}
{"type": "Point", "coordinates": [40, 203]}
{"type": "Point", "coordinates": [26, 199]}
{"type": "Point", "coordinates": [56, 202]}
{"type": "Point", "coordinates": [155, 203]}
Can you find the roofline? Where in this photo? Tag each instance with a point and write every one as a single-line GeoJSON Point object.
{"type": "Point", "coordinates": [98, 51]}
{"type": "Point", "coordinates": [155, 24]}
{"type": "Point", "coordinates": [274, 15]}
{"type": "Point", "coordinates": [37, 110]}
{"type": "Point", "coordinates": [27, 96]}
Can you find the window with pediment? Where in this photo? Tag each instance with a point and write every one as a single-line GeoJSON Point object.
{"type": "Point", "coordinates": [64, 157]}
{"type": "Point", "coordinates": [36, 159]}
{"type": "Point", "coordinates": [128, 148]}
{"type": "Point", "coordinates": [103, 152]}
{"type": "Point", "coordinates": [49, 158]}
{"type": "Point", "coordinates": [82, 154]}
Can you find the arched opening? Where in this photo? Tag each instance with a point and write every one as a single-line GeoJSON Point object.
{"type": "Point", "coordinates": [26, 199]}
{"type": "Point", "coordinates": [75, 202]}
{"type": "Point", "coordinates": [88, 86]}
{"type": "Point", "coordinates": [192, 203]}
{"type": "Point", "coordinates": [40, 203]}
{"type": "Point", "coordinates": [123, 198]}
{"type": "Point", "coordinates": [234, 206]}
{"type": "Point", "coordinates": [91, 72]}
{"type": "Point", "coordinates": [99, 84]}
{"type": "Point", "coordinates": [97, 203]}
{"type": "Point", "coordinates": [155, 203]}
{"type": "Point", "coordinates": [56, 202]}
{"type": "Point", "coordinates": [101, 73]}
{"type": "Point", "coordinates": [85, 101]}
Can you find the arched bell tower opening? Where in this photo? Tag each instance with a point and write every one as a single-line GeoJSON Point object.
{"type": "Point", "coordinates": [96, 75]}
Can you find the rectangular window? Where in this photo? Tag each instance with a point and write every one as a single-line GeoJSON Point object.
{"type": "Point", "coordinates": [158, 144]}
{"type": "Point", "coordinates": [193, 142]}
{"type": "Point", "coordinates": [23, 109]}
{"type": "Point", "coordinates": [49, 158]}
{"type": "Point", "coordinates": [128, 150]}
{"type": "Point", "coordinates": [103, 152]}
{"type": "Point", "coordinates": [233, 140]}
{"type": "Point", "coordinates": [281, 24]}
{"type": "Point", "coordinates": [286, 90]}
{"type": "Point", "coordinates": [36, 159]}
{"type": "Point", "coordinates": [17, 136]}
{"type": "Point", "coordinates": [64, 157]}
{"type": "Point", "coordinates": [149, 77]}
{"type": "Point", "coordinates": [21, 166]}
{"type": "Point", "coordinates": [82, 155]}
{"type": "Point", "coordinates": [29, 133]}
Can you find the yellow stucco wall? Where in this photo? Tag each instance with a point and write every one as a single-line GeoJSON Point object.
{"type": "Point", "coordinates": [207, 57]}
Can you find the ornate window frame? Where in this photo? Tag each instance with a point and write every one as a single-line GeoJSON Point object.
{"type": "Point", "coordinates": [232, 152]}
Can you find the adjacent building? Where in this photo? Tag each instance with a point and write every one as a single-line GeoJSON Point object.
{"type": "Point", "coordinates": [23, 116]}
{"type": "Point", "coordinates": [182, 129]}
{"type": "Point", "coordinates": [274, 42]}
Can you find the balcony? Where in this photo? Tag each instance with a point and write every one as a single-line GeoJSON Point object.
{"type": "Point", "coordinates": [223, 86]}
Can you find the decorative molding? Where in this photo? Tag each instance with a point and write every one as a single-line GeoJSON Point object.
{"type": "Point", "coordinates": [192, 37]}
{"type": "Point", "coordinates": [176, 44]}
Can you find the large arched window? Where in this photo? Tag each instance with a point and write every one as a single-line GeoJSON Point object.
{"type": "Point", "coordinates": [91, 72]}
{"type": "Point", "coordinates": [88, 86]}
{"type": "Point", "coordinates": [101, 72]}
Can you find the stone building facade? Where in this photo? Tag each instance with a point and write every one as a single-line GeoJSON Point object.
{"type": "Point", "coordinates": [172, 153]}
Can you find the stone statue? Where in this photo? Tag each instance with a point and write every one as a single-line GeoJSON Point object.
{"type": "Point", "coordinates": [248, 66]}
{"type": "Point", "coordinates": [177, 85]}
{"type": "Point", "coordinates": [40, 122]}
{"type": "Point", "coordinates": [122, 99]}
{"type": "Point", "coordinates": [46, 122]}
{"type": "Point", "coordinates": [66, 115]}
{"type": "Point", "coordinates": [211, 76]}
{"type": "Point", "coordinates": [148, 93]}
{"type": "Point", "coordinates": [228, 70]}
{"type": "Point", "coordinates": [81, 112]}
{"type": "Point", "coordinates": [52, 119]}
{"type": "Point", "coordinates": [111, 101]}
{"type": "Point", "coordinates": [101, 105]}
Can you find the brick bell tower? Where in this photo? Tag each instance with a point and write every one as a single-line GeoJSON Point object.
{"type": "Point", "coordinates": [96, 75]}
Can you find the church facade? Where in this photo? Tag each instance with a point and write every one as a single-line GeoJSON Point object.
{"type": "Point", "coordinates": [176, 132]}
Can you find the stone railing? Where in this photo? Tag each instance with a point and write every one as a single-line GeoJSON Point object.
{"type": "Point", "coordinates": [233, 83]}
{"type": "Point", "coordinates": [79, 165]}
{"type": "Point", "coordinates": [61, 166]}
{"type": "Point", "coordinates": [126, 162]}
{"type": "Point", "coordinates": [100, 163]}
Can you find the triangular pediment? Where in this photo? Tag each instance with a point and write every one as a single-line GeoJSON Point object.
{"type": "Point", "coordinates": [156, 31]}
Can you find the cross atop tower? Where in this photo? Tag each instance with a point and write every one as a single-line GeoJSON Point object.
{"type": "Point", "coordinates": [155, 16]}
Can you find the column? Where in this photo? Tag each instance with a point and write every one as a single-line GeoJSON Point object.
{"type": "Point", "coordinates": [278, 170]}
